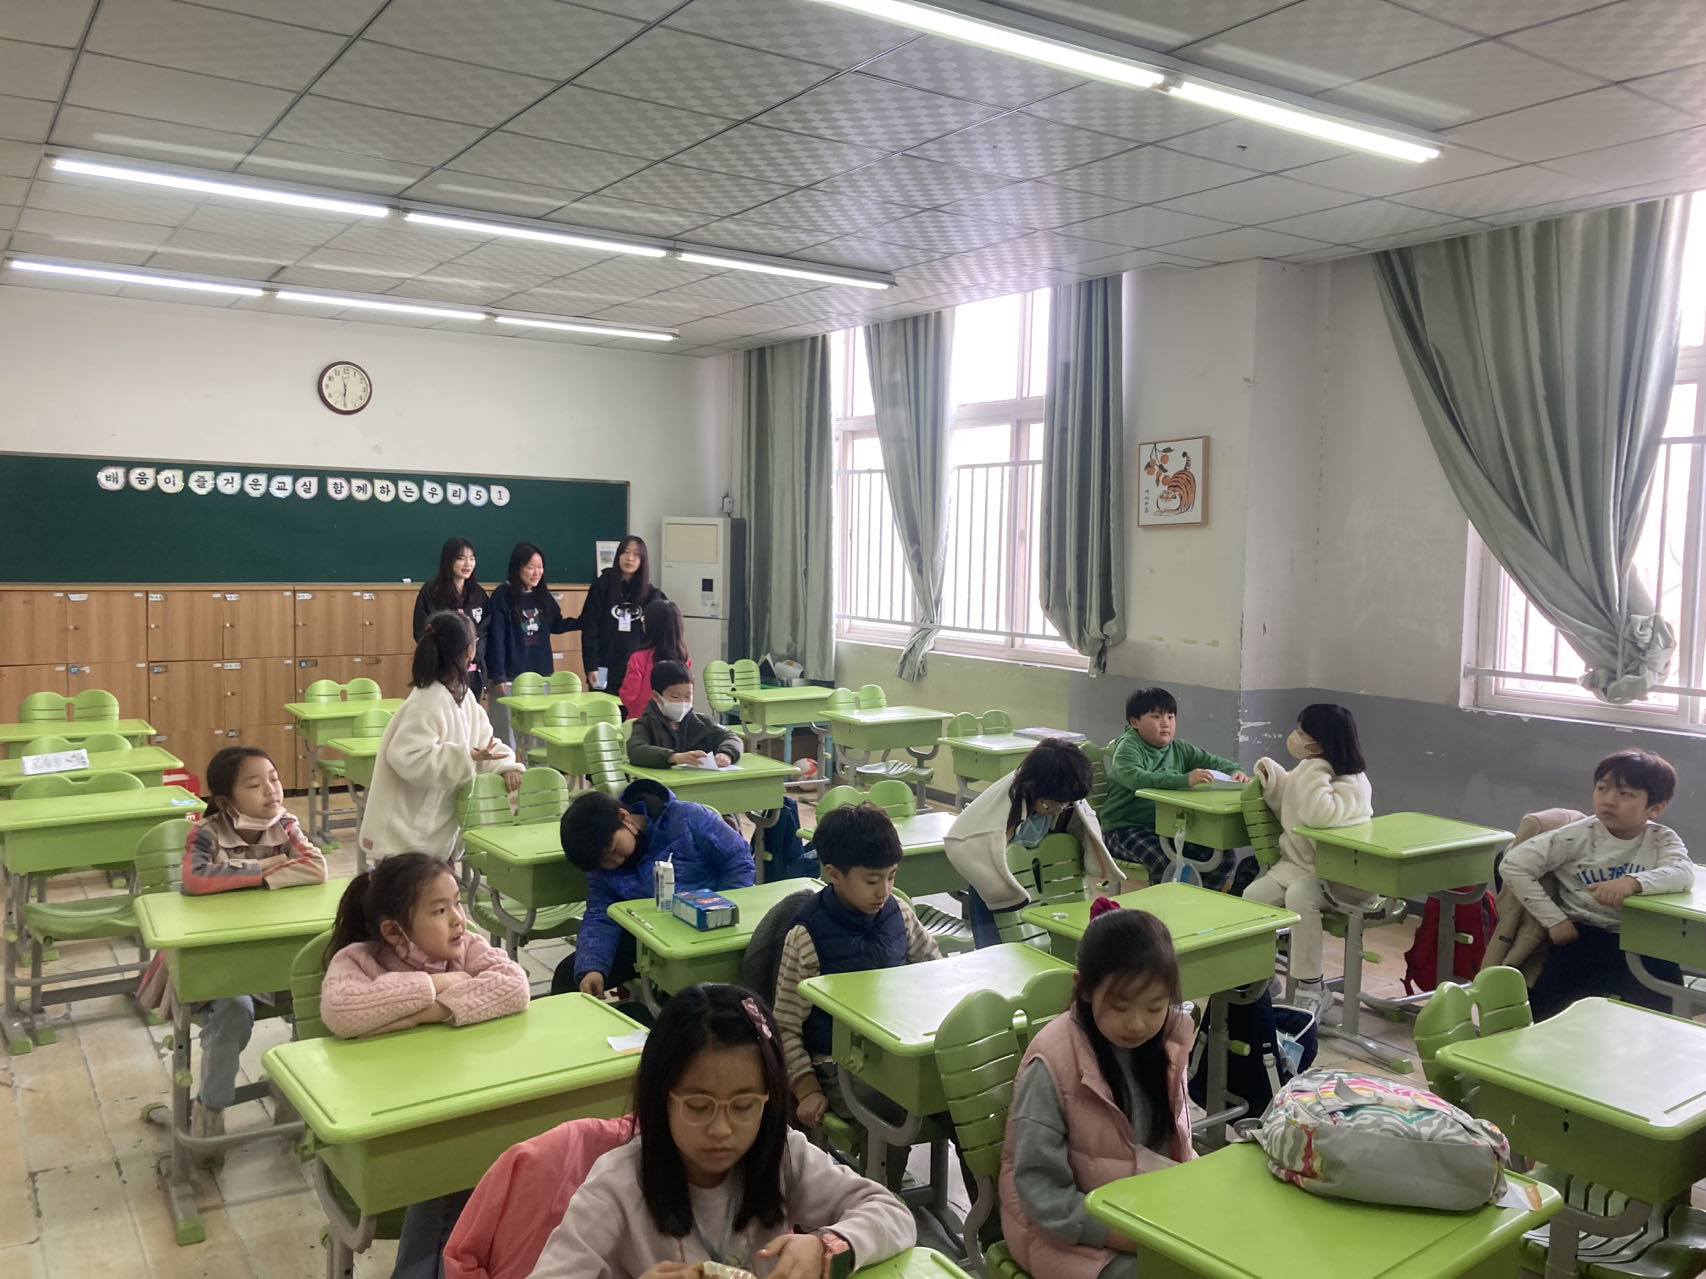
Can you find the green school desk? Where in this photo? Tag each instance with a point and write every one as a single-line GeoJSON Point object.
{"type": "Point", "coordinates": [527, 710]}
{"type": "Point", "coordinates": [924, 865]}
{"type": "Point", "coordinates": [1224, 944]}
{"type": "Point", "coordinates": [1225, 1216]}
{"type": "Point", "coordinates": [1212, 816]}
{"type": "Point", "coordinates": [525, 863]}
{"type": "Point", "coordinates": [672, 955]}
{"type": "Point", "coordinates": [787, 707]}
{"type": "Point", "coordinates": [753, 786]}
{"type": "Point", "coordinates": [985, 757]}
{"type": "Point", "coordinates": [217, 946]}
{"type": "Point", "coordinates": [360, 754]}
{"type": "Point", "coordinates": [135, 731]}
{"type": "Point", "coordinates": [317, 723]}
{"type": "Point", "coordinates": [146, 762]}
{"type": "Point", "coordinates": [858, 735]}
{"type": "Point", "coordinates": [565, 746]}
{"type": "Point", "coordinates": [914, 1263]}
{"type": "Point", "coordinates": [1668, 926]}
{"type": "Point", "coordinates": [420, 1113]}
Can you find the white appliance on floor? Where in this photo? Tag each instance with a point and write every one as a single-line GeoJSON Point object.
{"type": "Point", "coordinates": [703, 571]}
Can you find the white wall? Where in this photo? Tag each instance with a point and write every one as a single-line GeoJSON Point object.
{"type": "Point", "coordinates": [97, 376]}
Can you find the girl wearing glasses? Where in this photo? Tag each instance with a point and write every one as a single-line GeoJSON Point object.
{"type": "Point", "coordinates": [721, 1175]}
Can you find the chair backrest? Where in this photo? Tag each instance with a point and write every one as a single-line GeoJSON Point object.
{"type": "Point", "coordinates": [1051, 872]}
{"type": "Point", "coordinates": [563, 682]}
{"type": "Point", "coordinates": [323, 690]}
{"type": "Point", "coordinates": [307, 971]}
{"type": "Point", "coordinates": [965, 724]}
{"type": "Point", "coordinates": [562, 715]}
{"type": "Point", "coordinates": [894, 797]}
{"type": "Point", "coordinates": [46, 786]}
{"type": "Point", "coordinates": [543, 796]}
{"type": "Point", "coordinates": [362, 690]}
{"type": "Point", "coordinates": [604, 756]}
{"type": "Point", "coordinates": [720, 686]}
{"type": "Point", "coordinates": [1098, 757]}
{"type": "Point", "coordinates": [838, 797]}
{"type": "Point", "coordinates": [159, 857]}
{"type": "Point", "coordinates": [872, 697]}
{"type": "Point", "coordinates": [746, 674]}
{"type": "Point", "coordinates": [1261, 824]}
{"type": "Point", "coordinates": [483, 802]}
{"type": "Point", "coordinates": [1494, 1002]}
{"type": "Point", "coordinates": [997, 722]}
{"type": "Point", "coordinates": [841, 701]}
{"type": "Point", "coordinates": [46, 707]}
{"type": "Point", "coordinates": [105, 742]}
{"type": "Point", "coordinates": [528, 684]}
{"type": "Point", "coordinates": [59, 786]}
{"type": "Point", "coordinates": [94, 704]}
{"type": "Point", "coordinates": [372, 722]}
{"type": "Point", "coordinates": [602, 712]}
{"type": "Point", "coordinates": [763, 957]}
{"type": "Point", "coordinates": [109, 783]}
{"type": "Point", "coordinates": [46, 745]}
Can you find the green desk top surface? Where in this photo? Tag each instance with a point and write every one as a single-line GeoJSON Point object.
{"type": "Point", "coordinates": [1282, 1232]}
{"type": "Point", "coordinates": [138, 759]}
{"type": "Point", "coordinates": [531, 702]}
{"type": "Point", "coordinates": [899, 1009]}
{"type": "Point", "coordinates": [339, 710]}
{"type": "Point", "coordinates": [172, 921]}
{"type": "Point", "coordinates": [38, 814]}
{"type": "Point", "coordinates": [914, 1263]}
{"type": "Point", "coordinates": [1690, 905]}
{"type": "Point", "coordinates": [668, 936]}
{"type": "Point", "coordinates": [995, 743]}
{"type": "Point", "coordinates": [1407, 835]}
{"type": "Point", "coordinates": [1196, 917]}
{"type": "Point", "coordinates": [560, 734]}
{"type": "Point", "coordinates": [351, 1090]}
{"type": "Point", "coordinates": [789, 693]}
{"type": "Point", "coordinates": [682, 780]}
{"type": "Point", "coordinates": [74, 730]}
{"type": "Point", "coordinates": [1636, 1071]}
{"type": "Point", "coordinates": [926, 832]}
{"type": "Point", "coordinates": [356, 747]}
{"type": "Point", "coordinates": [1200, 799]}
{"type": "Point", "coordinates": [887, 715]}
{"type": "Point", "coordinates": [526, 844]}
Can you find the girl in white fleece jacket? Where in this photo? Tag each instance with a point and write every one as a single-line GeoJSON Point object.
{"type": "Point", "coordinates": [1329, 787]}
{"type": "Point", "coordinates": [435, 743]}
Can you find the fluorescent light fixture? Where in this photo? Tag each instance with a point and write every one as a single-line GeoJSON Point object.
{"type": "Point", "coordinates": [371, 304]}
{"type": "Point", "coordinates": [586, 326]}
{"type": "Point", "coordinates": [792, 272]}
{"type": "Point", "coordinates": [133, 277]}
{"type": "Point", "coordinates": [530, 233]}
{"type": "Point", "coordinates": [236, 190]}
{"type": "Point", "coordinates": [989, 35]}
{"type": "Point", "coordinates": [1315, 126]}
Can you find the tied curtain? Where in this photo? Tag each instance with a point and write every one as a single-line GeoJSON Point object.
{"type": "Point", "coordinates": [789, 486]}
{"type": "Point", "coordinates": [1082, 547]}
{"type": "Point", "coordinates": [909, 361]}
{"type": "Point", "coordinates": [1541, 358]}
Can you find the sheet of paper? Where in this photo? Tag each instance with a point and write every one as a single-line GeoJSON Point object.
{"type": "Point", "coordinates": [632, 1042]}
{"type": "Point", "coordinates": [710, 762]}
{"type": "Point", "coordinates": [56, 762]}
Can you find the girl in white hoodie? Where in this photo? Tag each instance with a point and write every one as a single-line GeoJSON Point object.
{"type": "Point", "coordinates": [1329, 787]}
{"type": "Point", "coordinates": [435, 744]}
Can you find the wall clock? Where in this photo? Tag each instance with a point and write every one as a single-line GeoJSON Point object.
{"type": "Point", "coordinates": [345, 387]}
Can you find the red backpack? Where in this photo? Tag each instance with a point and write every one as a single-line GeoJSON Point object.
{"type": "Point", "coordinates": [1477, 920]}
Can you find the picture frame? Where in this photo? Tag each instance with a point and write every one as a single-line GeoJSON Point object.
{"type": "Point", "coordinates": [1172, 482]}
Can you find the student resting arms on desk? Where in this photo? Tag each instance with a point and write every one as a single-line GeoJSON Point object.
{"type": "Point", "coordinates": [401, 956]}
{"type": "Point", "coordinates": [668, 732]}
{"type": "Point", "coordinates": [1593, 865]}
{"type": "Point", "coordinates": [716, 1173]}
{"type": "Point", "coordinates": [246, 840]}
{"type": "Point", "coordinates": [1100, 1095]}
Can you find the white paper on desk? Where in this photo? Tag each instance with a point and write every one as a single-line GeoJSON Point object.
{"type": "Point", "coordinates": [1221, 781]}
{"type": "Point", "coordinates": [1521, 1195]}
{"type": "Point", "coordinates": [55, 762]}
{"type": "Point", "coordinates": [709, 762]}
{"type": "Point", "coordinates": [632, 1042]}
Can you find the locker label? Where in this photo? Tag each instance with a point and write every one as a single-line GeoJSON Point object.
{"type": "Point", "coordinates": [77, 597]}
{"type": "Point", "coordinates": [305, 595]}
{"type": "Point", "coordinates": [155, 597]}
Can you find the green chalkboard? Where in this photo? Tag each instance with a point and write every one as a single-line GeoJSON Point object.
{"type": "Point", "coordinates": [92, 519]}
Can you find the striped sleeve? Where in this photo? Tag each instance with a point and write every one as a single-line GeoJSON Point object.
{"type": "Point", "coordinates": [920, 945]}
{"type": "Point", "coordinates": [799, 961]}
{"type": "Point", "coordinates": [205, 871]}
{"type": "Point", "coordinates": [307, 865]}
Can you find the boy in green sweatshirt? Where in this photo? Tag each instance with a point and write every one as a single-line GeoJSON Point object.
{"type": "Point", "coordinates": [1148, 756]}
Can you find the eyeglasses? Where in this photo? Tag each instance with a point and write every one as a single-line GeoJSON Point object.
{"type": "Point", "coordinates": [1051, 807]}
{"type": "Point", "coordinates": [699, 1109]}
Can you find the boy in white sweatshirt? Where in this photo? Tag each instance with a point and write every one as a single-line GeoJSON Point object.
{"type": "Point", "coordinates": [1595, 864]}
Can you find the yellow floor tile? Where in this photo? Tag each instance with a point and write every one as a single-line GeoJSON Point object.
{"type": "Point", "coordinates": [281, 1236]}
{"type": "Point", "coordinates": [86, 1223]}
{"type": "Point", "coordinates": [18, 1224]}
{"type": "Point", "coordinates": [26, 1261]}
{"type": "Point", "coordinates": [122, 1057]}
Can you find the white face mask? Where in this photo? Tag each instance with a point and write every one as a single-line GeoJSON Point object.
{"type": "Point", "coordinates": [242, 821]}
{"type": "Point", "coordinates": [675, 712]}
{"type": "Point", "coordinates": [1301, 746]}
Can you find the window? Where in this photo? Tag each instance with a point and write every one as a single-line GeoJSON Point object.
{"type": "Point", "coordinates": [1524, 664]}
{"type": "Point", "coordinates": [989, 595]}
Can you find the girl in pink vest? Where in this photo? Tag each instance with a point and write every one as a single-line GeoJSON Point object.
{"type": "Point", "coordinates": [1100, 1096]}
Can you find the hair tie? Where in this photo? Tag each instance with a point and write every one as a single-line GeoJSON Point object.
{"type": "Point", "coordinates": [750, 1007]}
{"type": "Point", "coordinates": [1102, 905]}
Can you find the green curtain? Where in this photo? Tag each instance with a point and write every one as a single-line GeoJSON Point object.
{"type": "Point", "coordinates": [1082, 548]}
{"type": "Point", "coordinates": [1541, 358]}
{"type": "Point", "coordinates": [909, 360]}
{"type": "Point", "coordinates": [788, 484]}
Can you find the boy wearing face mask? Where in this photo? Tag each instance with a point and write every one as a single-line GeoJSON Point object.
{"type": "Point", "coordinates": [670, 733]}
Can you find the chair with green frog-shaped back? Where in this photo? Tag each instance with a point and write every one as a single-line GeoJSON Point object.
{"type": "Point", "coordinates": [323, 690]}
{"type": "Point", "coordinates": [45, 707]}
{"type": "Point", "coordinates": [49, 744]}
{"type": "Point", "coordinates": [605, 756]}
{"type": "Point", "coordinates": [964, 724]}
{"type": "Point", "coordinates": [94, 704]}
{"type": "Point", "coordinates": [1051, 873]}
{"type": "Point", "coordinates": [997, 722]}
{"type": "Point", "coordinates": [894, 797]}
{"type": "Point", "coordinates": [363, 689]}
{"type": "Point", "coordinates": [912, 772]}
{"type": "Point", "coordinates": [370, 724]}
{"type": "Point", "coordinates": [543, 796]}
{"type": "Point", "coordinates": [529, 684]}
{"type": "Point", "coordinates": [747, 678]}
{"type": "Point", "coordinates": [106, 743]}
{"type": "Point", "coordinates": [720, 689]}
{"type": "Point", "coordinates": [555, 715]}
{"type": "Point", "coordinates": [59, 786]}
{"type": "Point", "coordinates": [562, 682]}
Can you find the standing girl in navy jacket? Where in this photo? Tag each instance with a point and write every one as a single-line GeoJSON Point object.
{"type": "Point", "coordinates": [610, 618]}
{"type": "Point", "coordinates": [525, 615]}
{"type": "Point", "coordinates": [456, 590]}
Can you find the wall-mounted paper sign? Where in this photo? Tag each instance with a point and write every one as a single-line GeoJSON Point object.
{"type": "Point", "coordinates": [476, 495]}
{"type": "Point", "coordinates": [201, 483]}
{"type": "Point", "coordinates": [111, 478]}
{"type": "Point", "coordinates": [229, 483]}
{"type": "Point", "coordinates": [500, 495]}
{"type": "Point", "coordinates": [605, 553]}
{"type": "Point", "coordinates": [337, 487]}
{"type": "Point", "coordinates": [171, 481]}
{"type": "Point", "coordinates": [142, 478]}
{"type": "Point", "coordinates": [361, 490]}
{"type": "Point", "coordinates": [384, 490]}
{"type": "Point", "coordinates": [408, 490]}
{"type": "Point", "coordinates": [255, 483]}
{"type": "Point", "coordinates": [432, 493]}
{"type": "Point", "coordinates": [281, 486]}
{"type": "Point", "coordinates": [307, 485]}
{"type": "Point", "coordinates": [456, 493]}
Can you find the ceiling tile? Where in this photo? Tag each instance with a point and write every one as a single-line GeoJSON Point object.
{"type": "Point", "coordinates": [689, 71]}
{"type": "Point", "coordinates": [212, 42]}
{"type": "Point", "coordinates": [12, 191]}
{"type": "Point", "coordinates": [1165, 24]}
{"type": "Point", "coordinates": [331, 168]}
{"type": "Point", "coordinates": [1506, 15]}
{"type": "Point", "coordinates": [869, 253]}
{"type": "Point", "coordinates": [633, 216]}
{"type": "Point", "coordinates": [681, 308]}
{"type": "Point", "coordinates": [1317, 44]}
{"type": "Point", "coordinates": [336, 278]}
{"type": "Point", "coordinates": [538, 161]}
{"type": "Point", "coordinates": [1141, 228]}
{"type": "Point", "coordinates": [127, 252]}
{"type": "Point", "coordinates": [906, 179]}
{"type": "Point", "coordinates": [676, 186]}
{"type": "Point", "coordinates": [182, 97]}
{"type": "Point", "coordinates": [743, 286]}
{"type": "Point", "coordinates": [1464, 84]}
{"type": "Point", "coordinates": [1261, 199]}
{"type": "Point", "coordinates": [59, 22]}
{"type": "Point", "coordinates": [1676, 155]}
{"type": "Point", "coordinates": [1150, 173]}
{"type": "Point", "coordinates": [874, 113]}
{"type": "Point", "coordinates": [829, 37]}
{"type": "Point", "coordinates": [211, 246]}
{"type": "Point", "coordinates": [20, 160]}
{"type": "Point", "coordinates": [1373, 175]}
{"type": "Point", "coordinates": [1037, 205]}
{"type": "Point", "coordinates": [535, 263]}
{"type": "Point", "coordinates": [1125, 113]}
{"type": "Point", "coordinates": [1685, 88]}
{"type": "Point", "coordinates": [588, 117]}
{"type": "Point", "coordinates": [644, 10]}
{"type": "Point", "coordinates": [1245, 242]}
{"type": "Point", "coordinates": [346, 126]}
{"type": "Point", "coordinates": [1365, 220]}
{"type": "Point", "coordinates": [8, 216]}
{"type": "Point", "coordinates": [359, 260]}
{"type": "Point", "coordinates": [434, 287]}
{"type": "Point", "coordinates": [535, 37]}
{"type": "Point", "coordinates": [1254, 146]}
{"type": "Point", "coordinates": [753, 151]}
{"type": "Point", "coordinates": [135, 136]}
{"type": "Point", "coordinates": [1622, 41]}
{"type": "Point", "coordinates": [1587, 121]}
{"type": "Point", "coordinates": [1448, 231]}
{"type": "Point", "coordinates": [34, 70]}
{"type": "Point", "coordinates": [78, 236]}
{"type": "Point", "coordinates": [836, 214]}
{"type": "Point", "coordinates": [377, 75]}
{"type": "Point", "coordinates": [1133, 260]}
{"type": "Point", "coordinates": [755, 237]}
{"type": "Point", "coordinates": [1022, 146]}
{"type": "Point", "coordinates": [346, 17]}
{"type": "Point", "coordinates": [636, 277]}
{"type": "Point", "coordinates": [121, 201]}
{"type": "Point", "coordinates": [488, 194]}
{"type": "Point", "coordinates": [946, 232]}
{"type": "Point", "coordinates": [1497, 192]}
{"type": "Point", "coordinates": [300, 233]}
{"type": "Point", "coordinates": [24, 119]}
{"type": "Point", "coordinates": [962, 71]}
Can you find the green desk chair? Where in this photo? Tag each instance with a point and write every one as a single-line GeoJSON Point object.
{"type": "Point", "coordinates": [914, 772]}
{"type": "Point", "coordinates": [543, 796]}
{"type": "Point", "coordinates": [838, 797]}
{"type": "Point", "coordinates": [1616, 1238]}
{"type": "Point", "coordinates": [59, 786]}
{"type": "Point", "coordinates": [747, 679]}
{"type": "Point", "coordinates": [369, 723]}
{"type": "Point", "coordinates": [556, 715]}
{"type": "Point", "coordinates": [562, 682]}
{"type": "Point", "coordinates": [997, 722]}
{"type": "Point", "coordinates": [978, 1048]}
{"type": "Point", "coordinates": [47, 745]}
{"type": "Point", "coordinates": [43, 708]}
{"type": "Point", "coordinates": [94, 704]}
{"type": "Point", "coordinates": [965, 724]}
{"type": "Point", "coordinates": [363, 690]}
{"type": "Point", "coordinates": [720, 689]}
{"type": "Point", "coordinates": [872, 697]}
{"type": "Point", "coordinates": [1099, 756]}
{"type": "Point", "coordinates": [895, 798]}
{"type": "Point", "coordinates": [1050, 873]}
{"type": "Point", "coordinates": [528, 684]}
{"type": "Point", "coordinates": [605, 756]}
{"type": "Point", "coordinates": [323, 690]}
{"type": "Point", "coordinates": [106, 743]}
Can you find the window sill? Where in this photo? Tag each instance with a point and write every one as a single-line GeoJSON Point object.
{"type": "Point", "coordinates": [1584, 717]}
{"type": "Point", "coordinates": [979, 652]}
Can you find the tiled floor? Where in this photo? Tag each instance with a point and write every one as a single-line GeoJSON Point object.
{"type": "Point", "coordinates": [79, 1194]}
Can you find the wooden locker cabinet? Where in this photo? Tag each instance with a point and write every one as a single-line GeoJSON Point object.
{"type": "Point", "coordinates": [260, 622]}
{"type": "Point", "coordinates": [185, 626]}
{"type": "Point", "coordinates": [391, 670]}
{"type": "Point", "coordinates": [195, 746]}
{"type": "Point", "coordinates": [255, 690]}
{"type": "Point", "coordinates": [279, 741]}
{"type": "Point", "coordinates": [32, 628]}
{"type": "Point", "coordinates": [106, 626]}
{"type": "Point", "coordinates": [388, 621]}
{"type": "Point", "coordinates": [18, 682]}
{"type": "Point", "coordinates": [127, 681]}
{"type": "Point", "coordinates": [309, 669]}
{"type": "Point", "coordinates": [184, 696]}
{"type": "Point", "coordinates": [329, 621]}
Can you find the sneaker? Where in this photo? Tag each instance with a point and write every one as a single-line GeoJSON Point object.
{"type": "Point", "coordinates": [1316, 999]}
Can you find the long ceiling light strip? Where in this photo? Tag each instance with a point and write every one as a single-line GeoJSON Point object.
{"type": "Point", "coordinates": [373, 304]}
{"type": "Point", "coordinates": [588, 326]}
{"type": "Point", "coordinates": [207, 186]}
{"type": "Point", "coordinates": [136, 277]}
{"type": "Point", "coordinates": [777, 268]}
{"type": "Point", "coordinates": [519, 232]}
{"type": "Point", "coordinates": [1304, 122]}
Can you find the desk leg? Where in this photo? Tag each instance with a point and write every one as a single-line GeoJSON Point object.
{"type": "Point", "coordinates": [18, 1039]}
{"type": "Point", "coordinates": [879, 1133]}
{"type": "Point", "coordinates": [1685, 1001]}
{"type": "Point", "coordinates": [1174, 846]}
{"type": "Point", "coordinates": [344, 1237]}
{"type": "Point", "coordinates": [1348, 1030]}
{"type": "Point", "coordinates": [1220, 1110]}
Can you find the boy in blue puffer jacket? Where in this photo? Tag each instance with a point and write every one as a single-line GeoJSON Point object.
{"type": "Point", "coordinates": [618, 843]}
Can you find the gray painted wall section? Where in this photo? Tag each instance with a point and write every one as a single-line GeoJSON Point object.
{"type": "Point", "coordinates": [1208, 717]}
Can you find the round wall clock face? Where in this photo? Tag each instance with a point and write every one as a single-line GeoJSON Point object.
{"type": "Point", "coordinates": [345, 387]}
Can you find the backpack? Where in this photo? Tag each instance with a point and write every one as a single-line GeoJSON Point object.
{"type": "Point", "coordinates": [1282, 1043]}
{"type": "Point", "coordinates": [1477, 920]}
{"type": "Point", "coordinates": [1344, 1135]}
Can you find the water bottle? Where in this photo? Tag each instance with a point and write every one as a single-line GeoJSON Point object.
{"type": "Point", "coordinates": [663, 882]}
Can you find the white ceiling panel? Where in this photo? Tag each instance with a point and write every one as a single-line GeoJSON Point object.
{"type": "Point", "coordinates": [1149, 174]}
{"type": "Point", "coordinates": [363, 262]}
{"type": "Point", "coordinates": [1684, 88]}
{"type": "Point", "coordinates": [210, 246]}
{"type": "Point", "coordinates": [181, 97]}
{"type": "Point", "coordinates": [20, 159]}
{"type": "Point", "coordinates": [1155, 24]}
{"type": "Point", "coordinates": [12, 191]}
{"type": "Point", "coordinates": [8, 216]}
{"type": "Point", "coordinates": [961, 71]}
{"type": "Point", "coordinates": [186, 37]}
{"type": "Point", "coordinates": [526, 262]}
{"type": "Point", "coordinates": [633, 216]}
{"type": "Point", "coordinates": [875, 113]}
{"type": "Point", "coordinates": [335, 277]}
{"type": "Point", "coordinates": [63, 193]}
{"type": "Point", "coordinates": [809, 33]}
{"type": "Point", "coordinates": [1037, 205]}
{"type": "Point", "coordinates": [945, 232]}
{"type": "Point", "coordinates": [1676, 155]}
{"type": "Point", "coordinates": [133, 135]}
{"type": "Point", "coordinates": [316, 165]}
{"type": "Point", "coordinates": [614, 123]}
{"type": "Point", "coordinates": [1374, 175]}
{"type": "Point", "coordinates": [683, 70]}
{"type": "Point", "coordinates": [737, 287]}
{"type": "Point", "coordinates": [1497, 192]}
{"type": "Point", "coordinates": [1622, 41]}
{"type": "Point", "coordinates": [392, 135]}
{"type": "Point", "coordinates": [71, 229]}
{"type": "Point", "coordinates": [298, 233]}
{"type": "Point", "coordinates": [114, 251]}
{"type": "Point", "coordinates": [493, 195]}
{"type": "Point", "coordinates": [633, 278]}
{"type": "Point", "coordinates": [1143, 228]}
{"type": "Point", "coordinates": [755, 237]}
{"type": "Point", "coordinates": [34, 70]}
{"type": "Point", "coordinates": [378, 75]}
{"type": "Point", "coordinates": [450, 287]}
{"type": "Point", "coordinates": [836, 214]}
{"type": "Point", "coordinates": [679, 309]}
{"type": "Point", "coordinates": [694, 189]}
{"type": "Point", "coordinates": [539, 161]}
{"type": "Point", "coordinates": [1022, 146]}
{"type": "Point", "coordinates": [345, 17]}
{"type": "Point", "coordinates": [24, 119]}
{"type": "Point", "coordinates": [1494, 17]}
{"type": "Point", "coordinates": [1585, 122]}
{"type": "Point", "coordinates": [1124, 113]}
{"type": "Point", "coordinates": [1354, 223]}
{"type": "Point", "coordinates": [535, 37]}
{"type": "Point", "coordinates": [58, 22]}
{"type": "Point", "coordinates": [868, 253]}
{"type": "Point", "coordinates": [1465, 84]}
{"type": "Point", "coordinates": [1465, 226]}
{"type": "Point", "coordinates": [754, 151]}
{"type": "Point", "coordinates": [1246, 242]}
{"type": "Point", "coordinates": [907, 179]}
{"type": "Point", "coordinates": [1254, 146]}
{"type": "Point", "coordinates": [1264, 199]}
{"type": "Point", "coordinates": [644, 10]}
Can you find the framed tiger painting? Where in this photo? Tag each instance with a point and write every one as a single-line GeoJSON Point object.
{"type": "Point", "coordinates": [1172, 488]}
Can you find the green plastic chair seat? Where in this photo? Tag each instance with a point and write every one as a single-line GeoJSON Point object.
{"type": "Point", "coordinates": [548, 921]}
{"type": "Point", "coordinates": [87, 919]}
{"type": "Point", "coordinates": [952, 936]}
{"type": "Point", "coordinates": [998, 1263]}
{"type": "Point", "coordinates": [898, 770]}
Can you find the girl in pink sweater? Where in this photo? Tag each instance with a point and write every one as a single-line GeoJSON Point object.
{"type": "Point", "coordinates": [402, 957]}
